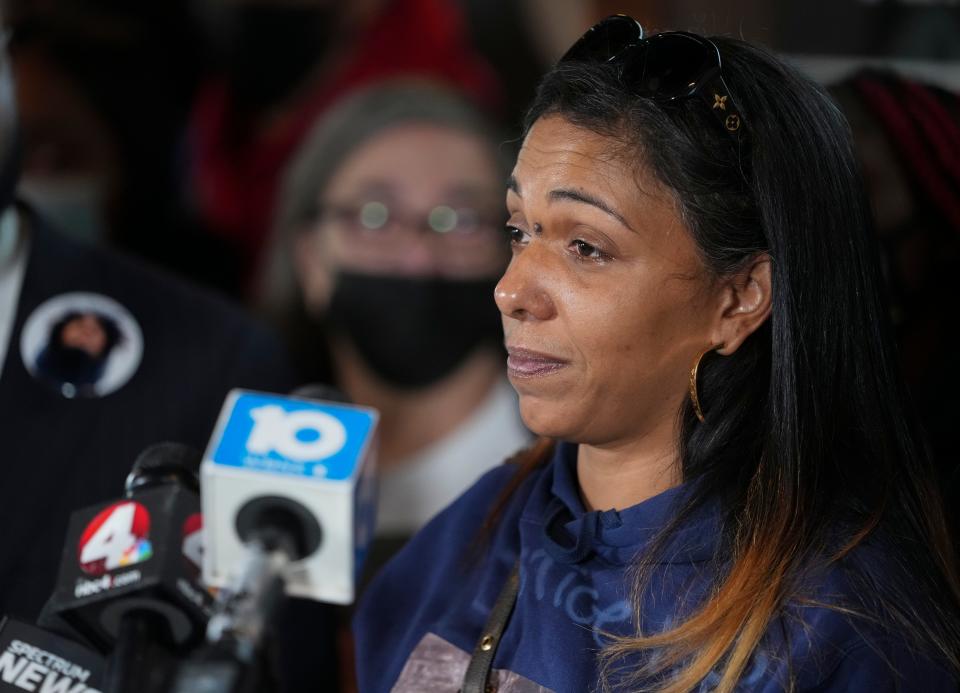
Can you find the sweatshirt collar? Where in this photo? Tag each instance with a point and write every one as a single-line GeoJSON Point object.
{"type": "Point", "coordinates": [572, 535]}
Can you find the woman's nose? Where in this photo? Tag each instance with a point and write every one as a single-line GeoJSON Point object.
{"type": "Point", "coordinates": [521, 292]}
{"type": "Point", "coordinates": [419, 257]}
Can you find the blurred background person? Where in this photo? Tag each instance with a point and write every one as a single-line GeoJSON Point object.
{"type": "Point", "coordinates": [907, 134]}
{"type": "Point", "coordinates": [276, 67]}
{"type": "Point", "coordinates": [103, 91]}
{"type": "Point", "coordinates": [100, 357]}
{"type": "Point", "coordinates": [391, 222]}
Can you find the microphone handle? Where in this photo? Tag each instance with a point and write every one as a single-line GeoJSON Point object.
{"type": "Point", "coordinates": [219, 669]}
{"type": "Point", "coordinates": [131, 666]}
{"type": "Point", "coordinates": [233, 660]}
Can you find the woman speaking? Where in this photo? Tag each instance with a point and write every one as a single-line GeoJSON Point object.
{"type": "Point", "coordinates": [729, 491]}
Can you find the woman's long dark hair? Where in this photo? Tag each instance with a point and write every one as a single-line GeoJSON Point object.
{"type": "Point", "coordinates": [808, 437]}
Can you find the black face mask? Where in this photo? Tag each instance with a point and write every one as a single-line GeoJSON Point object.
{"type": "Point", "coordinates": [412, 332]}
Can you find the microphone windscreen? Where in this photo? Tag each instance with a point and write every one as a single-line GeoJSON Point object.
{"type": "Point", "coordinates": [163, 463]}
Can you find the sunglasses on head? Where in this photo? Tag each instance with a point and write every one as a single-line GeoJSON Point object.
{"type": "Point", "coordinates": [664, 67]}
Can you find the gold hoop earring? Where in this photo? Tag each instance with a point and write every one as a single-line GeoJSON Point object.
{"type": "Point", "coordinates": [693, 382]}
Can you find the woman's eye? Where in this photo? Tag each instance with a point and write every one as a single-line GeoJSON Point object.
{"type": "Point", "coordinates": [515, 235]}
{"type": "Point", "coordinates": [587, 251]}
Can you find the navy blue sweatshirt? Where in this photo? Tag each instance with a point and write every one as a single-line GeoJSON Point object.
{"type": "Point", "coordinates": [423, 614]}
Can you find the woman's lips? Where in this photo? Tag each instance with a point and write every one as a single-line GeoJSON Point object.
{"type": "Point", "coordinates": [525, 363]}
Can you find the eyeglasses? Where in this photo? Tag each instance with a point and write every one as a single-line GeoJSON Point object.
{"type": "Point", "coordinates": [378, 219]}
{"type": "Point", "coordinates": [664, 67]}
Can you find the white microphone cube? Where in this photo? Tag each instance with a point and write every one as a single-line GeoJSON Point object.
{"type": "Point", "coordinates": [321, 455]}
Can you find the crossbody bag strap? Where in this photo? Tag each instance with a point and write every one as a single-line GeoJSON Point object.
{"type": "Point", "coordinates": [475, 680]}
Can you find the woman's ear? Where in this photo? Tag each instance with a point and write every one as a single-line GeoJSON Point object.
{"type": "Point", "coordinates": [313, 268]}
{"type": "Point", "coordinates": [745, 304]}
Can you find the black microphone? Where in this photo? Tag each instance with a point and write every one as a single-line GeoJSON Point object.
{"type": "Point", "coordinates": [129, 581]}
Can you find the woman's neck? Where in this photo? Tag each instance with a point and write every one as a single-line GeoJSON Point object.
{"type": "Point", "coordinates": [410, 420]}
{"type": "Point", "coordinates": [620, 475]}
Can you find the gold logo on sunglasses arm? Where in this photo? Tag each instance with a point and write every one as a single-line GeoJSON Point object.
{"type": "Point", "coordinates": [720, 102]}
{"type": "Point", "coordinates": [732, 123]}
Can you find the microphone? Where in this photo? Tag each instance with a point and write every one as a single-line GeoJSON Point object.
{"type": "Point", "coordinates": [129, 581]}
{"type": "Point", "coordinates": [293, 476]}
{"type": "Point", "coordinates": [288, 501]}
{"type": "Point", "coordinates": [32, 659]}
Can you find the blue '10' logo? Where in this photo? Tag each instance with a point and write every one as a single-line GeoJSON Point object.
{"type": "Point", "coordinates": [290, 436]}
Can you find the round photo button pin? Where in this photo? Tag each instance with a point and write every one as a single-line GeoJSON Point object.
{"type": "Point", "coordinates": [81, 344]}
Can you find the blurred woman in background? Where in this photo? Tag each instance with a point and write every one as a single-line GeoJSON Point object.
{"type": "Point", "coordinates": [390, 217]}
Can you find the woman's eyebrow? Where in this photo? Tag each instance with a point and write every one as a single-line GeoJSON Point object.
{"type": "Point", "coordinates": [588, 199]}
{"type": "Point", "coordinates": [574, 196]}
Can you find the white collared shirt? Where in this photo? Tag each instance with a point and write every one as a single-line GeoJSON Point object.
{"type": "Point", "coordinates": [422, 485]}
{"type": "Point", "coordinates": [13, 263]}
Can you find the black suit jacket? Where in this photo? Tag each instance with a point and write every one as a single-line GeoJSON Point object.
{"type": "Point", "coordinates": [59, 455]}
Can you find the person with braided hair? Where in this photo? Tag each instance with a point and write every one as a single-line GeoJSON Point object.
{"type": "Point", "coordinates": [907, 135]}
